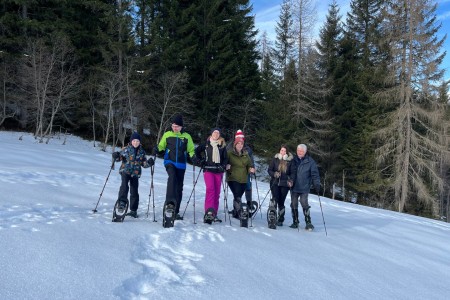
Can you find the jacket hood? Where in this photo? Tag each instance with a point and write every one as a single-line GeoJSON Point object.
{"type": "Point", "coordinates": [286, 157]}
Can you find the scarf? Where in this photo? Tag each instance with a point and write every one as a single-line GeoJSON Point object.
{"type": "Point", "coordinates": [215, 151]}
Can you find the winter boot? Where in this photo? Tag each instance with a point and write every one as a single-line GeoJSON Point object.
{"type": "Point", "coordinates": [307, 214]}
{"type": "Point", "coordinates": [132, 213]}
{"type": "Point", "coordinates": [294, 218]}
{"type": "Point", "coordinates": [209, 216]}
{"type": "Point", "coordinates": [280, 219]}
{"type": "Point", "coordinates": [236, 207]}
{"type": "Point", "coordinates": [121, 207]}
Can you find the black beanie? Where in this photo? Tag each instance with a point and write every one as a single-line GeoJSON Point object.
{"type": "Point", "coordinates": [135, 136]}
{"type": "Point", "coordinates": [178, 120]}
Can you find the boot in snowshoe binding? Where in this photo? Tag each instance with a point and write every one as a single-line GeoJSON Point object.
{"type": "Point", "coordinates": [309, 226]}
{"type": "Point", "coordinates": [120, 210]}
{"type": "Point", "coordinates": [209, 216]}
{"type": "Point", "coordinates": [272, 216]}
{"type": "Point", "coordinates": [243, 215]}
{"type": "Point", "coordinates": [169, 215]}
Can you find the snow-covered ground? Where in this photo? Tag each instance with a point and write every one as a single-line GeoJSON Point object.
{"type": "Point", "coordinates": [52, 246]}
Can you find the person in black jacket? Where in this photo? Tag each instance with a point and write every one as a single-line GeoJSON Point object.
{"type": "Point", "coordinates": [278, 169]}
{"type": "Point", "coordinates": [302, 173]}
{"type": "Point", "coordinates": [213, 156]}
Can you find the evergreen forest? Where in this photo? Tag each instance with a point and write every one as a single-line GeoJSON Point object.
{"type": "Point", "coordinates": [367, 96]}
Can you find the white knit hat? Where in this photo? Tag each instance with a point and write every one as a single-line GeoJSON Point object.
{"type": "Point", "coordinates": [239, 134]}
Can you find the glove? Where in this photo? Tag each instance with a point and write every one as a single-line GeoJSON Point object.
{"type": "Point", "coordinates": [277, 174]}
{"type": "Point", "coordinates": [116, 155]}
{"type": "Point", "coordinates": [151, 161]}
{"type": "Point", "coordinates": [155, 150]}
{"type": "Point", "coordinates": [195, 160]}
{"type": "Point", "coordinates": [317, 188]}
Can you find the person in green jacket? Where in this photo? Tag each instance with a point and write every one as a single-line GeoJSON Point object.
{"type": "Point", "coordinates": [238, 167]}
{"type": "Point", "coordinates": [176, 144]}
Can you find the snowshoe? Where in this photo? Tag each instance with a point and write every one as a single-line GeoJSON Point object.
{"type": "Point", "coordinates": [253, 208]}
{"type": "Point", "coordinates": [272, 217]}
{"type": "Point", "coordinates": [243, 215]}
{"type": "Point", "coordinates": [209, 216]}
{"type": "Point", "coordinates": [309, 227]}
{"type": "Point", "coordinates": [178, 217]}
{"type": "Point", "coordinates": [120, 210]}
{"type": "Point", "coordinates": [169, 215]}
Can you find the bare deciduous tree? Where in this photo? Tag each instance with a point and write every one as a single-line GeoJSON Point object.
{"type": "Point", "coordinates": [111, 89]}
{"type": "Point", "coordinates": [171, 98]}
{"type": "Point", "coordinates": [8, 103]}
{"type": "Point", "coordinates": [51, 78]}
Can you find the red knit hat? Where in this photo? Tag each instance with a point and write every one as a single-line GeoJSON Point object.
{"type": "Point", "coordinates": [239, 134]}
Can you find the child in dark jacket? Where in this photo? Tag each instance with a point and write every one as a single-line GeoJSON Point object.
{"type": "Point", "coordinates": [133, 158]}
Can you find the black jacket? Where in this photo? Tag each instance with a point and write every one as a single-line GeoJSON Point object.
{"type": "Point", "coordinates": [274, 167]}
{"type": "Point", "coordinates": [204, 152]}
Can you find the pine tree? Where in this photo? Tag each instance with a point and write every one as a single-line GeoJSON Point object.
{"type": "Point", "coordinates": [284, 43]}
{"type": "Point", "coordinates": [329, 45]}
{"type": "Point", "coordinates": [355, 110]}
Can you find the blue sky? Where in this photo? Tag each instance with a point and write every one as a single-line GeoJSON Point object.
{"type": "Point", "coordinates": [267, 12]}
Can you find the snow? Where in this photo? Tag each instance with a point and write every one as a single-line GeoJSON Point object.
{"type": "Point", "coordinates": [54, 247]}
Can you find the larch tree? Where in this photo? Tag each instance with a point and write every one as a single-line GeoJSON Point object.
{"type": "Point", "coordinates": [412, 146]}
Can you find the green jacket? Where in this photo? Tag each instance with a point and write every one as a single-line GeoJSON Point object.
{"type": "Point", "coordinates": [240, 165]}
{"type": "Point", "coordinates": [176, 147]}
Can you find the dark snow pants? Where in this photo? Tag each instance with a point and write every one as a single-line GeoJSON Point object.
{"type": "Point", "coordinates": [133, 187]}
{"type": "Point", "coordinates": [175, 181]}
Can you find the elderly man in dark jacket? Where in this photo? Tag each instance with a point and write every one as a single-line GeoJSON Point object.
{"type": "Point", "coordinates": [303, 171]}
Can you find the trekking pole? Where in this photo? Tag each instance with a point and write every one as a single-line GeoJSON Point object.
{"type": "Point", "coordinates": [195, 183]}
{"type": "Point", "coordinates": [257, 193]}
{"type": "Point", "coordinates": [320, 202]}
{"type": "Point", "coordinates": [112, 168]}
{"type": "Point", "coordinates": [225, 211]}
{"type": "Point", "coordinates": [226, 199]}
{"type": "Point", "coordinates": [152, 190]}
{"type": "Point", "coordinates": [264, 199]}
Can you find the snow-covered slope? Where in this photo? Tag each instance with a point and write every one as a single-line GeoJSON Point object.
{"type": "Point", "coordinates": [54, 247]}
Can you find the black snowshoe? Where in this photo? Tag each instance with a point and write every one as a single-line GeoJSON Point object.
{"type": "Point", "coordinates": [169, 215]}
{"type": "Point", "coordinates": [253, 208]}
{"type": "Point", "coordinates": [243, 215]}
{"type": "Point", "coordinates": [120, 210]}
{"type": "Point", "coordinates": [209, 216]}
{"type": "Point", "coordinates": [272, 216]}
